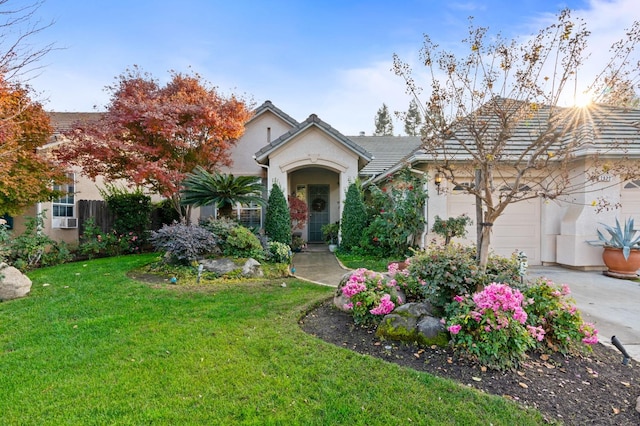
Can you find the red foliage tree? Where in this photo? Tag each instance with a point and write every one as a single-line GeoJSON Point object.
{"type": "Point", "coordinates": [25, 175]}
{"type": "Point", "coordinates": [152, 135]}
{"type": "Point", "coordinates": [298, 211]}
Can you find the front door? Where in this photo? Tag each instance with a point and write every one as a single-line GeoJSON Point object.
{"type": "Point", "coordinates": [318, 211]}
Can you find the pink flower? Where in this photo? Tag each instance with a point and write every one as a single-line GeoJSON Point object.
{"type": "Point", "coordinates": [458, 298]}
{"type": "Point", "coordinates": [393, 268]}
{"type": "Point", "coordinates": [454, 329]}
{"type": "Point", "coordinates": [353, 288]}
{"type": "Point", "coordinates": [566, 290]}
{"type": "Point", "coordinates": [386, 306]}
{"type": "Point", "coordinates": [348, 306]}
{"type": "Point", "coordinates": [536, 332]}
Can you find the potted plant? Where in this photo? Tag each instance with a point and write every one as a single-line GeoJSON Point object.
{"type": "Point", "coordinates": [621, 249]}
{"type": "Point", "coordinates": [330, 232]}
{"type": "Point", "coordinates": [297, 243]}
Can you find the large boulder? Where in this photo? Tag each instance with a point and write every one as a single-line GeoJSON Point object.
{"type": "Point", "coordinates": [414, 322]}
{"type": "Point", "coordinates": [252, 269]}
{"type": "Point", "coordinates": [220, 266]}
{"type": "Point", "coordinates": [13, 283]}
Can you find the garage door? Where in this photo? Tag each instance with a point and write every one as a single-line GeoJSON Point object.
{"type": "Point", "coordinates": [517, 229]}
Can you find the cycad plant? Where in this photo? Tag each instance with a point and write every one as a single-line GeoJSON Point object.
{"type": "Point", "coordinates": [201, 188]}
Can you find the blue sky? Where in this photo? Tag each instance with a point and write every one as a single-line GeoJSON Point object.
{"type": "Point", "coordinates": [331, 58]}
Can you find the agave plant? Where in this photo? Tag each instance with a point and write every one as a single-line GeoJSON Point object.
{"type": "Point", "coordinates": [625, 238]}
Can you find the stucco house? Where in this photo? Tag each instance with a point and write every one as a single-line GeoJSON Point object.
{"type": "Point", "coordinates": [315, 162]}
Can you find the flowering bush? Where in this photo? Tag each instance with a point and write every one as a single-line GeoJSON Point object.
{"type": "Point", "coordinates": [279, 252]}
{"type": "Point", "coordinates": [491, 327]}
{"type": "Point", "coordinates": [551, 310]}
{"type": "Point", "coordinates": [370, 295]}
{"type": "Point", "coordinates": [443, 271]}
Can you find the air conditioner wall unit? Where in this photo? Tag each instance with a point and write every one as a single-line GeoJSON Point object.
{"type": "Point", "coordinates": [65, 222]}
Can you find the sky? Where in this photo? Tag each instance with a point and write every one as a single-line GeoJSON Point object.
{"type": "Point", "coordinates": [332, 58]}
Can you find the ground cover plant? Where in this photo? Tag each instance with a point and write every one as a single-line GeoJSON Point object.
{"type": "Point", "coordinates": [92, 346]}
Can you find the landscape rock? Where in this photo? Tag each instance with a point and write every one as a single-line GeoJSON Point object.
{"type": "Point", "coordinates": [252, 269]}
{"type": "Point", "coordinates": [220, 266]}
{"type": "Point", "coordinates": [413, 322]}
{"type": "Point", "coordinates": [13, 283]}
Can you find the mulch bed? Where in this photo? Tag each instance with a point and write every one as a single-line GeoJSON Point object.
{"type": "Point", "coordinates": [596, 389]}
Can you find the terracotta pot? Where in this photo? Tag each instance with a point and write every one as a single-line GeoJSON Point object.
{"type": "Point", "coordinates": [615, 261]}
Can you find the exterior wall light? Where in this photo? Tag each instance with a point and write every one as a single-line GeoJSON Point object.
{"type": "Point", "coordinates": [437, 179]}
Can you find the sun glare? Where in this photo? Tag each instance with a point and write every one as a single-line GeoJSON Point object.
{"type": "Point", "coordinates": [582, 100]}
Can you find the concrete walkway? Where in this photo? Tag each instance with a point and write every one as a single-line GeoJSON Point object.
{"type": "Point", "coordinates": [613, 305]}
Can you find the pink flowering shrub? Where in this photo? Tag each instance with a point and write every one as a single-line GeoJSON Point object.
{"type": "Point", "coordinates": [490, 327]}
{"type": "Point", "coordinates": [371, 296]}
{"type": "Point", "coordinates": [550, 308]}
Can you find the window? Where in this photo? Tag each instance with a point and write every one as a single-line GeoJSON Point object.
{"type": "Point", "coordinates": [250, 216]}
{"type": "Point", "coordinates": [65, 205]}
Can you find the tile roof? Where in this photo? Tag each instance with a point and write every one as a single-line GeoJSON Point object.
{"type": "Point", "coordinates": [387, 151]}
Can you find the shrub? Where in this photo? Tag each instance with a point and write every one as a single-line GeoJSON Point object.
{"type": "Point", "coordinates": [243, 243]}
{"type": "Point", "coordinates": [30, 249]}
{"type": "Point", "coordinates": [132, 213]}
{"type": "Point", "coordinates": [444, 271]}
{"type": "Point", "coordinates": [298, 211]}
{"type": "Point", "coordinates": [370, 295]}
{"type": "Point", "coordinates": [551, 310]}
{"type": "Point", "coordinates": [397, 216]}
{"type": "Point", "coordinates": [279, 253]}
{"type": "Point", "coordinates": [490, 327]}
{"type": "Point", "coordinates": [94, 243]}
{"type": "Point", "coordinates": [221, 228]}
{"type": "Point", "coordinates": [452, 227]}
{"type": "Point", "coordinates": [354, 217]}
{"type": "Point", "coordinates": [277, 223]}
{"type": "Point", "coordinates": [183, 243]}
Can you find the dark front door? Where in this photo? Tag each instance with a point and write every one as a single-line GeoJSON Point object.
{"type": "Point", "coordinates": [318, 211]}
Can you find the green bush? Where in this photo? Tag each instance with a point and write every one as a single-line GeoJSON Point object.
{"type": "Point", "coordinates": [550, 308]}
{"type": "Point", "coordinates": [132, 213]}
{"type": "Point", "coordinates": [371, 296]}
{"type": "Point", "coordinates": [95, 243]}
{"type": "Point", "coordinates": [221, 227]}
{"type": "Point", "coordinates": [452, 227]}
{"type": "Point", "coordinates": [490, 327]}
{"type": "Point", "coordinates": [182, 243]}
{"type": "Point", "coordinates": [444, 271]}
{"type": "Point", "coordinates": [279, 253]}
{"type": "Point", "coordinates": [33, 248]}
{"type": "Point", "coordinates": [243, 243]}
{"type": "Point", "coordinates": [396, 214]}
{"type": "Point", "coordinates": [354, 217]}
{"type": "Point", "coordinates": [277, 223]}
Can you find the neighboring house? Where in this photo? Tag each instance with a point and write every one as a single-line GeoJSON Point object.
{"type": "Point", "coordinates": [314, 161]}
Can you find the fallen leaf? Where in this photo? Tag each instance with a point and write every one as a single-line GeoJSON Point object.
{"type": "Point", "coordinates": [627, 384]}
{"type": "Point", "coordinates": [616, 410]}
{"type": "Point", "coordinates": [450, 360]}
{"type": "Point", "coordinates": [549, 366]}
{"type": "Point", "coordinates": [523, 385]}
{"type": "Point", "coordinates": [520, 373]}
{"type": "Point", "coordinates": [483, 369]}
{"type": "Point", "coordinates": [417, 355]}
{"type": "Point", "coordinates": [476, 379]}
{"type": "Point", "coordinates": [544, 357]}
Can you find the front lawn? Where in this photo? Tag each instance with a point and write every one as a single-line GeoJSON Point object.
{"type": "Point", "coordinates": [91, 346]}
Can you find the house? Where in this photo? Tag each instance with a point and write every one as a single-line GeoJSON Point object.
{"type": "Point", "coordinates": [315, 162]}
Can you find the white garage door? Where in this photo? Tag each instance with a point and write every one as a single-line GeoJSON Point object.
{"type": "Point", "coordinates": [517, 229]}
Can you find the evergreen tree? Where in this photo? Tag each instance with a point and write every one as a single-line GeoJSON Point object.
{"type": "Point", "coordinates": [384, 123]}
{"type": "Point", "coordinates": [277, 223]}
{"type": "Point", "coordinates": [412, 120]}
{"type": "Point", "coordinates": [354, 217]}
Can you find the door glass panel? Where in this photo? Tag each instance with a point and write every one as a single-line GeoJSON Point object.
{"type": "Point", "coordinates": [318, 211]}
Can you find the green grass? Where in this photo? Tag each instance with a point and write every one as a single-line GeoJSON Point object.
{"type": "Point", "coordinates": [90, 346]}
{"type": "Point", "coordinates": [354, 261]}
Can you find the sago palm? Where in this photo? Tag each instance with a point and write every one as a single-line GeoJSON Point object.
{"type": "Point", "coordinates": [201, 188]}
